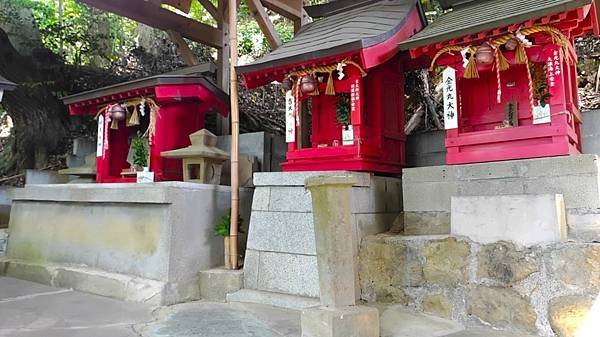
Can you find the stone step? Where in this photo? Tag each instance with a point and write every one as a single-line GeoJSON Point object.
{"type": "Point", "coordinates": [273, 299]}
{"type": "Point", "coordinates": [485, 332]}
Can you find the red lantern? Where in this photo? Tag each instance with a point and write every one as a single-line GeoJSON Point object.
{"type": "Point", "coordinates": [308, 84]}
{"type": "Point", "coordinates": [117, 112]}
{"type": "Point", "coordinates": [287, 83]}
{"type": "Point", "coordinates": [484, 54]}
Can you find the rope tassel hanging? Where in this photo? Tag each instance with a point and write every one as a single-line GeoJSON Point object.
{"type": "Point", "coordinates": [330, 90]}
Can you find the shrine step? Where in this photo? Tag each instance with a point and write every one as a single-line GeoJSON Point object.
{"type": "Point", "coordinates": [273, 299]}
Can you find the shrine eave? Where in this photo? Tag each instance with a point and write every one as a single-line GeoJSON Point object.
{"type": "Point", "coordinates": [6, 84]}
{"type": "Point", "coordinates": [481, 16]}
{"type": "Point", "coordinates": [144, 83]}
{"type": "Point", "coordinates": [369, 33]}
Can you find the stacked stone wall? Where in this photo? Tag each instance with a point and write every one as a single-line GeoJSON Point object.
{"type": "Point", "coordinates": [546, 290]}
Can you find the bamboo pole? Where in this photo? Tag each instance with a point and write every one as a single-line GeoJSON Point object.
{"type": "Point", "coordinates": [235, 132]}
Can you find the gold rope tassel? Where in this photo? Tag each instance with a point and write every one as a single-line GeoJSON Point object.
{"type": "Point", "coordinates": [330, 90]}
{"type": "Point", "coordinates": [135, 117]}
{"type": "Point", "coordinates": [502, 61]}
{"type": "Point", "coordinates": [471, 69]}
{"type": "Point", "coordinates": [114, 124]}
{"type": "Point", "coordinates": [520, 54]}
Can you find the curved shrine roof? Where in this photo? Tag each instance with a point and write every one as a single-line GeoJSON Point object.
{"type": "Point", "coordinates": [344, 30]}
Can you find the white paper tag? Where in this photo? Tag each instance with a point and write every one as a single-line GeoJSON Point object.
{"type": "Point", "coordinates": [145, 177]}
{"type": "Point", "coordinates": [290, 122]}
{"type": "Point", "coordinates": [348, 136]}
{"type": "Point", "coordinates": [100, 139]}
{"type": "Point", "coordinates": [450, 101]}
{"type": "Point", "coordinates": [541, 114]}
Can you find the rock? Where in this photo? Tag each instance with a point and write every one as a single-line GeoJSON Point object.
{"type": "Point", "coordinates": [502, 308]}
{"type": "Point", "coordinates": [501, 261]}
{"type": "Point", "coordinates": [567, 314]}
{"type": "Point", "coordinates": [576, 265]}
{"type": "Point", "coordinates": [446, 261]}
{"type": "Point", "coordinates": [387, 264]}
{"type": "Point", "coordinates": [437, 304]}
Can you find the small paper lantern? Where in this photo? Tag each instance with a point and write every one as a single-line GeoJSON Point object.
{"type": "Point", "coordinates": [511, 44]}
{"type": "Point", "coordinates": [287, 83]}
{"type": "Point", "coordinates": [117, 112]}
{"type": "Point", "coordinates": [308, 84]}
{"type": "Point", "coordinates": [484, 54]}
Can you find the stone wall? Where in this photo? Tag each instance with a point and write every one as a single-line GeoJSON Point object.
{"type": "Point", "coordinates": [428, 190]}
{"type": "Point", "coordinates": [281, 253]}
{"type": "Point", "coordinates": [3, 241]}
{"type": "Point", "coordinates": [426, 149]}
{"type": "Point", "coordinates": [546, 289]}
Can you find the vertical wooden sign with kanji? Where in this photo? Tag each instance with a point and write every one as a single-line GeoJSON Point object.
{"type": "Point", "coordinates": [290, 117]}
{"type": "Point", "coordinates": [450, 101]}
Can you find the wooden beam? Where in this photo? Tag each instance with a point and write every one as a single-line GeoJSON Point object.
{"type": "Point", "coordinates": [298, 23]}
{"type": "Point", "coordinates": [182, 5]}
{"type": "Point", "coordinates": [265, 24]}
{"type": "Point", "coordinates": [210, 8]}
{"type": "Point", "coordinates": [184, 49]}
{"type": "Point", "coordinates": [291, 9]}
{"type": "Point", "coordinates": [155, 16]}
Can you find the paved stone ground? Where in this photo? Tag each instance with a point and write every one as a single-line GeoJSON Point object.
{"type": "Point", "coordinates": [33, 310]}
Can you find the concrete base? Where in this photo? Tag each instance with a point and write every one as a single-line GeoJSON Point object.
{"type": "Point", "coordinates": [3, 241]}
{"type": "Point", "coordinates": [354, 321]}
{"type": "Point", "coordinates": [281, 253]}
{"type": "Point", "coordinates": [428, 190]}
{"type": "Point", "coordinates": [525, 219]}
{"type": "Point", "coordinates": [215, 284]}
{"type": "Point", "coordinates": [162, 232]}
{"type": "Point", "coordinates": [272, 299]}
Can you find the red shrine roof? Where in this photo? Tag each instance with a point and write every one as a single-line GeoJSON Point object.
{"type": "Point", "coordinates": [372, 27]}
{"type": "Point", "coordinates": [471, 17]}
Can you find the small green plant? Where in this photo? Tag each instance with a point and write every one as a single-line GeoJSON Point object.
{"type": "Point", "coordinates": [223, 227]}
{"type": "Point", "coordinates": [140, 151]}
{"type": "Point", "coordinates": [343, 109]}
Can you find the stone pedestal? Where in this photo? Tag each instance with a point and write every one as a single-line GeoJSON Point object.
{"type": "Point", "coordinates": [143, 242]}
{"type": "Point", "coordinates": [338, 279]}
{"type": "Point", "coordinates": [281, 261]}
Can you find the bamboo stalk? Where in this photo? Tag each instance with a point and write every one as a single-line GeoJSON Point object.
{"type": "Point", "coordinates": [235, 132]}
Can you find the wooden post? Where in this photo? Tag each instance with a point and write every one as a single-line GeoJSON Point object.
{"type": "Point", "coordinates": [235, 132]}
{"type": "Point", "coordinates": [223, 63]}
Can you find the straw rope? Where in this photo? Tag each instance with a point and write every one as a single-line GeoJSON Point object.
{"type": "Point", "coordinates": [328, 69]}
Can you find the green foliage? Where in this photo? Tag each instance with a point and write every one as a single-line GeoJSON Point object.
{"type": "Point", "coordinates": [140, 151]}
{"type": "Point", "coordinates": [343, 109]}
{"type": "Point", "coordinates": [223, 227]}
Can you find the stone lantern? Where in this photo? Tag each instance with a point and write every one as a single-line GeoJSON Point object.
{"type": "Point", "coordinates": [5, 85]}
{"type": "Point", "coordinates": [202, 161]}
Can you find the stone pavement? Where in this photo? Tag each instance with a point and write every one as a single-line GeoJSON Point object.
{"type": "Point", "coordinates": [33, 310]}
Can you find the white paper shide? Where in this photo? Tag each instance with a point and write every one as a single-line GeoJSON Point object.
{"type": "Point", "coordinates": [290, 119]}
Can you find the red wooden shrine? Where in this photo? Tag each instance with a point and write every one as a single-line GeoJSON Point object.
{"type": "Point", "coordinates": [182, 102]}
{"type": "Point", "coordinates": [372, 81]}
{"type": "Point", "coordinates": [484, 134]}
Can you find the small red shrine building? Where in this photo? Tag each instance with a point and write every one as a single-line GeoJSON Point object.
{"type": "Point", "coordinates": [165, 109]}
{"type": "Point", "coordinates": [510, 78]}
{"type": "Point", "coordinates": [345, 88]}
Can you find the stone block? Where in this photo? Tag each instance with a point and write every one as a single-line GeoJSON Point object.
{"type": "Point", "coordinates": [428, 196]}
{"type": "Point", "coordinates": [579, 191]}
{"type": "Point", "coordinates": [426, 149]}
{"type": "Point", "coordinates": [283, 232]}
{"type": "Point", "coordinates": [94, 283]}
{"type": "Point", "coordinates": [289, 199]}
{"type": "Point", "coordinates": [45, 177]}
{"type": "Point", "coordinates": [524, 219]}
{"type": "Point", "coordinates": [3, 241]}
{"type": "Point", "coordinates": [583, 224]}
{"type": "Point", "coordinates": [502, 262]}
{"type": "Point", "coordinates": [426, 223]}
{"type": "Point", "coordinates": [251, 264]}
{"type": "Point", "coordinates": [429, 174]}
{"type": "Point", "coordinates": [215, 284]}
{"type": "Point", "coordinates": [260, 200]}
{"type": "Point", "coordinates": [294, 274]}
{"type": "Point", "coordinates": [498, 170]}
{"type": "Point", "coordinates": [437, 304]}
{"type": "Point", "coordinates": [569, 316]}
{"type": "Point", "coordinates": [490, 187]}
{"type": "Point", "coordinates": [584, 164]}
{"type": "Point", "coordinates": [28, 271]}
{"type": "Point", "coordinates": [386, 265]}
{"type": "Point", "coordinates": [502, 308]}
{"type": "Point", "coordinates": [373, 223]}
{"type": "Point", "coordinates": [446, 262]}
{"type": "Point", "coordinates": [354, 321]}
{"type": "Point", "coordinates": [254, 144]}
{"type": "Point", "coordinates": [576, 265]}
